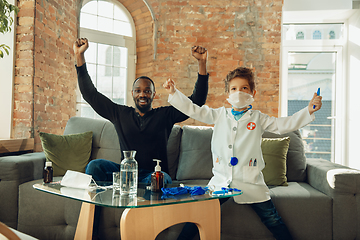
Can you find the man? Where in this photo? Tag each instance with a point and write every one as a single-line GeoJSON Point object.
{"type": "Point", "coordinates": [143, 128]}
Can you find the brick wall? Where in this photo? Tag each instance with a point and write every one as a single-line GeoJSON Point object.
{"type": "Point", "coordinates": [236, 33]}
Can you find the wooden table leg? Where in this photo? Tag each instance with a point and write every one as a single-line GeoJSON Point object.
{"type": "Point", "coordinates": [84, 226]}
{"type": "Point", "coordinates": [146, 223]}
{"type": "Point", "coordinates": [6, 232]}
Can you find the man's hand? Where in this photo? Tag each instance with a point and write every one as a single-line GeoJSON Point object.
{"type": "Point", "coordinates": [169, 85]}
{"type": "Point", "coordinates": [79, 47]}
{"type": "Point", "coordinates": [315, 101]}
{"type": "Point", "coordinates": [200, 53]}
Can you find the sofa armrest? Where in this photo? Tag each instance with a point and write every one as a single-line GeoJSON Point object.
{"type": "Point", "coordinates": [342, 184]}
{"type": "Point", "coordinates": [15, 170]}
{"type": "Point", "coordinates": [23, 168]}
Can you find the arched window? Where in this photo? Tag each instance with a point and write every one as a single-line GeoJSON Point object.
{"type": "Point", "coordinates": [316, 34]}
{"type": "Point", "coordinates": [107, 17]}
{"type": "Point", "coordinates": [300, 35]}
{"type": "Point", "coordinates": [110, 58]}
{"type": "Point", "coordinates": [332, 35]}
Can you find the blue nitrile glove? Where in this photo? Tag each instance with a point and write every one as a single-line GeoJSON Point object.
{"type": "Point", "coordinates": [197, 190]}
{"type": "Point", "coordinates": [174, 191]}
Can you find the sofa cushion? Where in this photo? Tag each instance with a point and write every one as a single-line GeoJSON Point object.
{"type": "Point", "coordinates": [173, 149]}
{"type": "Point", "coordinates": [69, 152]}
{"type": "Point", "coordinates": [195, 159]}
{"type": "Point", "coordinates": [274, 152]}
{"type": "Point", "coordinates": [299, 204]}
{"type": "Point", "coordinates": [295, 160]}
{"type": "Point", "coordinates": [105, 143]}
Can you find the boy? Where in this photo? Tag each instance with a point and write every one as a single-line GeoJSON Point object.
{"type": "Point", "coordinates": [236, 143]}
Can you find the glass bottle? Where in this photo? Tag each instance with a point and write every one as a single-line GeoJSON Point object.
{"type": "Point", "coordinates": [48, 172]}
{"type": "Point", "coordinates": [157, 178]}
{"type": "Point", "coordinates": [128, 174]}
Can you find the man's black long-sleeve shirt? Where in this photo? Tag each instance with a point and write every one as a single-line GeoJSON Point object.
{"type": "Point", "coordinates": [147, 134]}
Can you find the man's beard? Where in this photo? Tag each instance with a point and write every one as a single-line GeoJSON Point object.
{"type": "Point", "coordinates": [143, 108]}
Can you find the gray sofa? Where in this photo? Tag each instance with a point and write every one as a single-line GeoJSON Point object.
{"type": "Point", "coordinates": [321, 201]}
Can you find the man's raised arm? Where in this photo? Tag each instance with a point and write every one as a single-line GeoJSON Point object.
{"type": "Point", "coordinates": [99, 102]}
{"type": "Point", "coordinates": [201, 86]}
{"type": "Point", "coordinates": [79, 47]}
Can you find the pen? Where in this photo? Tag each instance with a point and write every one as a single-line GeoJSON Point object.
{"type": "Point", "coordinates": [318, 93]}
{"type": "Point", "coordinates": [255, 162]}
{"type": "Point", "coordinates": [250, 163]}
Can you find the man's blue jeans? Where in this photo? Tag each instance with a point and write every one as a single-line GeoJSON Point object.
{"type": "Point", "coordinates": [101, 170]}
{"type": "Point", "coordinates": [265, 210]}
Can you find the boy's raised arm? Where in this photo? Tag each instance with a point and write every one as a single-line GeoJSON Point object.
{"type": "Point", "coordinates": [169, 85]}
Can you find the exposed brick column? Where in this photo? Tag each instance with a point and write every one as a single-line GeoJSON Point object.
{"type": "Point", "coordinates": [24, 71]}
{"type": "Point", "coordinates": [45, 80]}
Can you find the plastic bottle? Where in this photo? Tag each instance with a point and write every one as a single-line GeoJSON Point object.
{"type": "Point", "coordinates": [128, 174]}
{"type": "Point", "coordinates": [48, 172]}
{"type": "Point", "coordinates": [157, 178]}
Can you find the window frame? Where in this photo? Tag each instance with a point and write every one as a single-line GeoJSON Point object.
{"type": "Point", "coordinates": [114, 40]}
{"type": "Point", "coordinates": [325, 45]}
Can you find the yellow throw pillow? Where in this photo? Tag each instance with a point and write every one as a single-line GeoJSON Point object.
{"type": "Point", "coordinates": [274, 151]}
{"type": "Point", "coordinates": [67, 152]}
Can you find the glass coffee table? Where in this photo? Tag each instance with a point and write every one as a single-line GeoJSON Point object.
{"type": "Point", "coordinates": [146, 214]}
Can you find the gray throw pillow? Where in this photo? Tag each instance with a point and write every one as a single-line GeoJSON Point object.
{"type": "Point", "coordinates": [195, 159]}
{"type": "Point", "coordinates": [296, 160]}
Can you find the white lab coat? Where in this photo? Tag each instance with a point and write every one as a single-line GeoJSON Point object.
{"type": "Point", "coordinates": [241, 139]}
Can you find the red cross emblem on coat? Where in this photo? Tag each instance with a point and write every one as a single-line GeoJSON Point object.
{"type": "Point", "coordinates": [251, 126]}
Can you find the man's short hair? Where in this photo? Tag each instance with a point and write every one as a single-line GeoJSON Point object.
{"type": "Point", "coordinates": [145, 77]}
{"type": "Point", "coordinates": [241, 72]}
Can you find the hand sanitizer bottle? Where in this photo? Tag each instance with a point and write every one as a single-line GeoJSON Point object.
{"type": "Point", "coordinates": [157, 178]}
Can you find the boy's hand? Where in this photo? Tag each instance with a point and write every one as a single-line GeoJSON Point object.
{"type": "Point", "coordinates": [79, 47]}
{"type": "Point", "coordinates": [169, 85]}
{"type": "Point", "coordinates": [200, 53]}
{"type": "Point", "coordinates": [315, 101]}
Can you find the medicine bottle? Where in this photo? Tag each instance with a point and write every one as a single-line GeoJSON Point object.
{"type": "Point", "coordinates": [157, 178]}
{"type": "Point", "coordinates": [48, 172]}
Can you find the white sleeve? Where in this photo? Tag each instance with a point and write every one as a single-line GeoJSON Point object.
{"type": "Point", "coordinates": [186, 106]}
{"type": "Point", "coordinates": [287, 124]}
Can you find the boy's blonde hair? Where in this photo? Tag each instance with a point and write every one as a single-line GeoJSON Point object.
{"type": "Point", "coordinates": [241, 72]}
